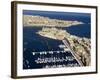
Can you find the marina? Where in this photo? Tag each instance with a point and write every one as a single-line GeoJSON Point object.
{"type": "Point", "coordinates": [55, 58]}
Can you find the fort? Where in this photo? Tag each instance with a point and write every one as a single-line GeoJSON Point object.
{"type": "Point", "coordinates": [79, 47]}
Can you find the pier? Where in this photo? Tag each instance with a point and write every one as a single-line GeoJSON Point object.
{"type": "Point", "coordinates": [51, 59]}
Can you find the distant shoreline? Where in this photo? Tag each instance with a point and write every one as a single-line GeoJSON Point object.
{"type": "Point", "coordinates": [40, 21]}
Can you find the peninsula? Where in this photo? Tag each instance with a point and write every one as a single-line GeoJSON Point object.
{"type": "Point", "coordinates": [79, 47]}
{"type": "Point", "coordinates": [40, 21]}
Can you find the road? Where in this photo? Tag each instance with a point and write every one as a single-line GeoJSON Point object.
{"type": "Point", "coordinates": [65, 41]}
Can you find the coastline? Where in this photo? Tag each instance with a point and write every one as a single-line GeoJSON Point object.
{"type": "Point", "coordinates": [40, 21]}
